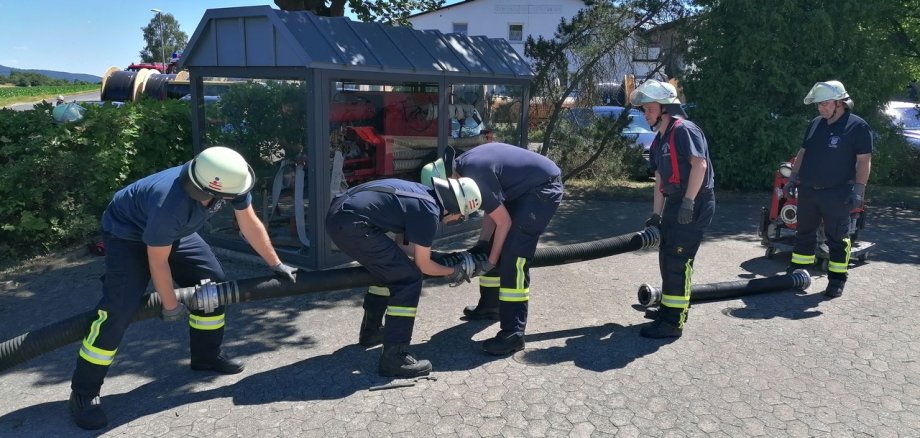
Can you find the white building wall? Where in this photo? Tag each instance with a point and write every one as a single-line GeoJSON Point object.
{"type": "Point", "coordinates": [493, 18]}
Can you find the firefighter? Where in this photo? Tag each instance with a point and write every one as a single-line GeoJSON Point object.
{"type": "Point", "coordinates": [357, 222]}
{"type": "Point", "coordinates": [830, 174]}
{"type": "Point", "coordinates": [683, 202]}
{"type": "Point", "coordinates": [149, 231]}
{"type": "Point", "coordinates": [521, 192]}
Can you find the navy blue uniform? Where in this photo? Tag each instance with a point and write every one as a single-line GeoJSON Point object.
{"type": "Point", "coordinates": [825, 182]}
{"type": "Point", "coordinates": [153, 211]}
{"type": "Point", "coordinates": [680, 242]}
{"type": "Point", "coordinates": [529, 186]}
{"type": "Point", "coordinates": [357, 222]}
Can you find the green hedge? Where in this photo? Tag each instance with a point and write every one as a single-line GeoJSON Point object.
{"type": "Point", "coordinates": [56, 179]}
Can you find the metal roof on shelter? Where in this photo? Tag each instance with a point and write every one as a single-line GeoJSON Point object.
{"type": "Point", "coordinates": [260, 36]}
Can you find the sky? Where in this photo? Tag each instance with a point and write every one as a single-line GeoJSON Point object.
{"type": "Point", "coordinates": [89, 36]}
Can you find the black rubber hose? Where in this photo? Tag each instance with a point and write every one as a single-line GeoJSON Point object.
{"type": "Point", "coordinates": [651, 296]}
{"type": "Point", "coordinates": [210, 295]}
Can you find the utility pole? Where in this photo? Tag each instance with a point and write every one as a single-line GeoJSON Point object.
{"type": "Point", "coordinates": [162, 38]}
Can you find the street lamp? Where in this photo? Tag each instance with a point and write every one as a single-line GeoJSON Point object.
{"type": "Point", "coordinates": [162, 41]}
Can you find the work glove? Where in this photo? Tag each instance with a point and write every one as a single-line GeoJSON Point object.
{"type": "Point", "coordinates": [789, 187]}
{"type": "Point", "coordinates": [481, 247]}
{"type": "Point", "coordinates": [483, 265]}
{"type": "Point", "coordinates": [285, 271]}
{"type": "Point", "coordinates": [458, 276]}
{"type": "Point", "coordinates": [685, 214]}
{"type": "Point", "coordinates": [653, 221]}
{"type": "Point", "coordinates": [179, 313]}
{"type": "Point", "coordinates": [857, 196]}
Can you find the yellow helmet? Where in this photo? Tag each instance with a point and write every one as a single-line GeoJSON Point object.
{"type": "Point", "coordinates": [442, 167]}
{"type": "Point", "coordinates": [654, 91]}
{"type": "Point", "coordinates": [217, 172]}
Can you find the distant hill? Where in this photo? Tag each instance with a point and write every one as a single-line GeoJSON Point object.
{"type": "Point", "coordinates": [5, 71]}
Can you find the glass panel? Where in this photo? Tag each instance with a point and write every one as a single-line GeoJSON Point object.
{"type": "Point", "coordinates": [460, 28]}
{"type": "Point", "coordinates": [264, 120]}
{"type": "Point", "coordinates": [481, 113]}
{"type": "Point", "coordinates": [381, 130]}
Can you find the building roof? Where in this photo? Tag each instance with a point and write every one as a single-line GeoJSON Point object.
{"type": "Point", "coordinates": [260, 36]}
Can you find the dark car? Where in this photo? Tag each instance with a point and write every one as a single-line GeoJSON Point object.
{"type": "Point", "coordinates": [906, 116]}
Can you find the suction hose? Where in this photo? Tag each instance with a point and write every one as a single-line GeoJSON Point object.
{"type": "Point", "coordinates": [207, 296]}
{"type": "Point", "coordinates": [799, 279]}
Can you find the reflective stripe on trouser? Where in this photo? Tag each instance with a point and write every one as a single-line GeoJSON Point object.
{"type": "Point", "coordinates": [123, 288]}
{"type": "Point", "coordinates": [92, 354]}
{"type": "Point", "coordinates": [371, 247]}
{"type": "Point", "coordinates": [206, 322]}
{"type": "Point", "coordinates": [802, 259]}
{"type": "Point", "coordinates": [530, 213]}
{"type": "Point", "coordinates": [381, 291]}
{"type": "Point", "coordinates": [679, 244]}
{"type": "Point", "coordinates": [828, 207]}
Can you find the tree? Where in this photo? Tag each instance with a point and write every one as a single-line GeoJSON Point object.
{"type": "Point", "coordinates": [173, 38]}
{"type": "Point", "coordinates": [747, 84]}
{"type": "Point", "coordinates": [591, 47]}
{"type": "Point", "coordinates": [393, 12]}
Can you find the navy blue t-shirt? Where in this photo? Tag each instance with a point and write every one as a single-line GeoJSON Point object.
{"type": "Point", "coordinates": [831, 150]}
{"type": "Point", "coordinates": [416, 218]}
{"type": "Point", "coordinates": [504, 172]}
{"type": "Point", "coordinates": [157, 211]}
{"type": "Point", "coordinates": [689, 141]}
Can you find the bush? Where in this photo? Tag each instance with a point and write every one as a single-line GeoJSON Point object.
{"type": "Point", "coordinates": [56, 179]}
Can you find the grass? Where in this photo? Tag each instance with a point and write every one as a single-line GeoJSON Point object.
{"type": "Point", "coordinates": [626, 190]}
{"type": "Point", "coordinates": [14, 95]}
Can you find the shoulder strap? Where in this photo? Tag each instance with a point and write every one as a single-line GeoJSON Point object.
{"type": "Point", "coordinates": [675, 169]}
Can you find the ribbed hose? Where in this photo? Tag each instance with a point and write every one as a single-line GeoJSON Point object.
{"type": "Point", "coordinates": [210, 295]}
{"type": "Point", "coordinates": [799, 279]}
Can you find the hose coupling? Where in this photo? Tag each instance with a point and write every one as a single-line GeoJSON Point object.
{"type": "Point", "coordinates": [649, 296]}
{"type": "Point", "coordinates": [206, 297]}
{"type": "Point", "coordinates": [802, 279]}
{"type": "Point", "coordinates": [651, 237]}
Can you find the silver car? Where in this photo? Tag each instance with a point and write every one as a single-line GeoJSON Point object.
{"type": "Point", "coordinates": [906, 116]}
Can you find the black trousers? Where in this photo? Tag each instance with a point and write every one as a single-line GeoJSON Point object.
{"type": "Point", "coordinates": [370, 246]}
{"type": "Point", "coordinates": [830, 207]}
{"type": "Point", "coordinates": [679, 244]}
{"type": "Point", "coordinates": [127, 274]}
{"type": "Point", "coordinates": [530, 214]}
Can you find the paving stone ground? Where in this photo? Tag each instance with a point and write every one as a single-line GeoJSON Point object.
{"type": "Point", "coordinates": [786, 364]}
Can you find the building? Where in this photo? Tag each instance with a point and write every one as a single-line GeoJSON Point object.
{"type": "Point", "coordinates": [515, 20]}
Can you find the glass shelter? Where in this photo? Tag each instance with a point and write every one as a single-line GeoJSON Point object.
{"type": "Point", "coordinates": [317, 104]}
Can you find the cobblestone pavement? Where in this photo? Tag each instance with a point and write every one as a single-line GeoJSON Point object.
{"type": "Point", "coordinates": [780, 364]}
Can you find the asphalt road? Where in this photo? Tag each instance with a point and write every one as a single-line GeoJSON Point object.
{"type": "Point", "coordinates": [91, 96]}
{"type": "Point", "coordinates": [785, 364]}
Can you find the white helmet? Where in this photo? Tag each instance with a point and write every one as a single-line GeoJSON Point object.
{"type": "Point", "coordinates": [830, 90]}
{"type": "Point", "coordinates": [460, 195]}
{"type": "Point", "coordinates": [217, 172]}
{"type": "Point", "coordinates": [654, 91]}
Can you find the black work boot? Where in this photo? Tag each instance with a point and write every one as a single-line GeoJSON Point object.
{"type": "Point", "coordinates": [220, 363]}
{"type": "Point", "coordinates": [835, 283]}
{"type": "Point", "coordinates": [504, 343]}
{"type": "Point", "coordinates": [87, 412]}
{"type": "Point", "coordinates": [660, 329]}
{"type": "Point", "coordinates": [375, 307]}
{"type": "Point", "coordinates": [395, 361]}
{"type": "Point", "coordinates": [487, 308]}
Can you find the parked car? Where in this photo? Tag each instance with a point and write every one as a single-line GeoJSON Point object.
{"type": "Point", "coordinates": [638, 129]}
{"type": "Point", "coordinates": [906, 116]}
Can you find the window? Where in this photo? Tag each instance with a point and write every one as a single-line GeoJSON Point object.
{"type": "Point", "coordinates": [461, 28]}
{"type": "Point", "coordinates": [515, 32]}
